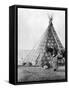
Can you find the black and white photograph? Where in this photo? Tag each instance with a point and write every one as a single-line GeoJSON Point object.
{"type": "Point", "coordinates": [41, 45]}
{"type": "Point", "coordinates": [34, 49]}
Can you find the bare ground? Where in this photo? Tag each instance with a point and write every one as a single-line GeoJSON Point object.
{"type": "Point", "coordinates": [38, 73]}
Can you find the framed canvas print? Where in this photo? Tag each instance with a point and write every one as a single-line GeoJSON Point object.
{"type": "Point", "coordinates": [37, 44]}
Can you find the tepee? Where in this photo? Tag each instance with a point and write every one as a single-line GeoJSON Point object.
{"type": "Point", "coordinates": [49, 46]}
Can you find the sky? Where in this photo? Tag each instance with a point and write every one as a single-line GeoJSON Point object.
{"type": "Point", "coordinates": [32, 23]}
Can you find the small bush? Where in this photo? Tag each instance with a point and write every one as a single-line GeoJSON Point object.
{"type": "Point", "coordinates": [27, 64]}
